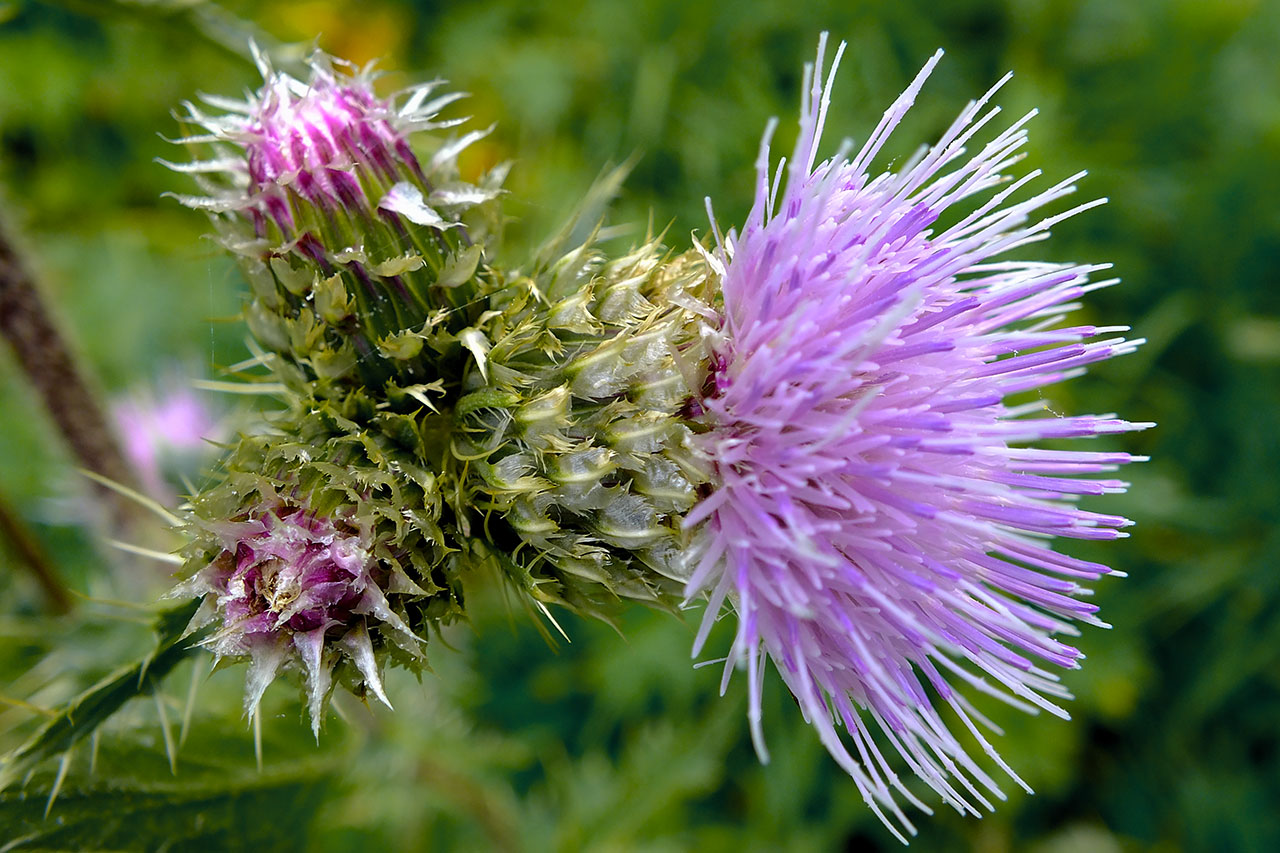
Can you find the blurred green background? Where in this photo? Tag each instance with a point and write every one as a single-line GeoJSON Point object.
{"type": "Point", "coordinates": [618, 744]}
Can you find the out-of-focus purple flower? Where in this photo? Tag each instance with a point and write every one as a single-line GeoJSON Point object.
{"type": "Point", "coordinates": [163, 429]}
{"type": "Point", "coordinates": [292, 588]}
{"type": "Point", "coordinates": [881, 522]}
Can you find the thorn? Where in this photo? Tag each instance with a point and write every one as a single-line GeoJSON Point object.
{"type": "Point", "coordinates": [552, 620]}
{"type": "Point", "coordinates": [197, 673]}
{"type": "Point", "coordinates": [257, 738]}
{"type": "Point", "coordinates": [27, 706]}
{"type": "Point", "coordinates": [169, 748]}
{"type": "Point", "coordinates": [269, 388]}
{"type": "Point", "coordinates": [136, 496]}
{"type": "Point", "coordinates": [57, 782]}
{"type": "Point", "coordinates": [162, 556]}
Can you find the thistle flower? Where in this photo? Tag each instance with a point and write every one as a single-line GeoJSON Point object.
{"type": "Point", "coordinates": [165, 429]}
{"type": "Point", "coordinates": [291, 586]}
{"type": "Point", "coordinates": [295, 149]}
{"type": "Point", "coordinates": [878, 518]}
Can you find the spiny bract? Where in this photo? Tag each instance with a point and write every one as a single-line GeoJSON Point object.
{"type": "Point", "coordinates": [445, 413]}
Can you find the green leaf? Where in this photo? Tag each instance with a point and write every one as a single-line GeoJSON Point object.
{"type": "Point", "coordinates": [86, 712]}
{"type": "Point", "coordinates": [217, 801]}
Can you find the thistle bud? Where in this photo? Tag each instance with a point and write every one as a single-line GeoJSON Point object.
{"type": "Point", "coordinates": [320, 552]}
{"type": "Point", "coordinates": [358, 245]}
{"type": "Point", "coordinates": [576, 431]}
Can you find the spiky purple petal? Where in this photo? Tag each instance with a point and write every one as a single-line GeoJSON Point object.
{"type": "Point", "coordinates": [329, 142]}
{"type": "Point", "coordinates": [879, 524]}
{"type": "Point", "coordinates": [292, 588]}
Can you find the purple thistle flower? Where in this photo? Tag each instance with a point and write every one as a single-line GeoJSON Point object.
{"type": "Point", "coordinates": [880, 522]}
{"type": "Point", "coordinates": [292, 588]}
{"type": "Point", "coordinates": [165, 428]}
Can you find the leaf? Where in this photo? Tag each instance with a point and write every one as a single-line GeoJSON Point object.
{"type": "Point", "coordinates": [85, 713]}
{"type": "Point", "coordinates": [132, 802]}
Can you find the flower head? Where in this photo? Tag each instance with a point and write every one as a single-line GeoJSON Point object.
{"type": "Point", "coordinates": [291, 588]}
{"type": "Point", "coordinates": [320, 133]}
{"type": "Point", "coordinates": [329, 142]}
{"type": "Point", "coordinates": [880, 522]}
{"type": "Point", "coordinates": [356, 231]}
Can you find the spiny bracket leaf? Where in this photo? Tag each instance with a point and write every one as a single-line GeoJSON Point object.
{"type": "Point", "coordinates": [82, 716]}
{"type": "Point", "coordinates": [218, 801]}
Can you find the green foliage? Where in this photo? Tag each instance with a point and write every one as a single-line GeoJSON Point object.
{"type": "Point", "coordinates": [131, 805]}
{"type": "Point", "coordinates": [82, 716]}
{"type": "Point", "coordinates": [121, 793]}
{"type": "Point", "coordinates": [1170, 104]}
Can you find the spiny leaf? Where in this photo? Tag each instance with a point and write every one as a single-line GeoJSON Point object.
{"type": "Point", "coordinates": [85, 713]}
{"type": "Point", "coordinates": [230, 811]}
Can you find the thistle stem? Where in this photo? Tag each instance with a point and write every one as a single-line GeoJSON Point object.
{"type": "Point", "coordinates": [31, 555]}
{"type": "Point", "coordinates": [81, 716]}
{"type": "Point", "coordinates": [47, 361]}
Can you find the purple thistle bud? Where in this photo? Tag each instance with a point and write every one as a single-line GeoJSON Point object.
{"type": "Point", "coordinates": [350, 237]}
{"type": "Point", "coordinates": [329, 142]}
{"type": "Point", "coordinates": [292, 588]}
{"type": "Point", "coordinates": [880, 524]}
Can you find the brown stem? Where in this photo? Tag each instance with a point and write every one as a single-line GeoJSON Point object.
{"type": "Point", "coordinates": [45, 358]}
{"type": "Point", "coordinates": [32, 555]}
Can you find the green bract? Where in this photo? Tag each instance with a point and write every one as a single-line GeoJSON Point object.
{"type": "Point", "coordinates": [447, 414]}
